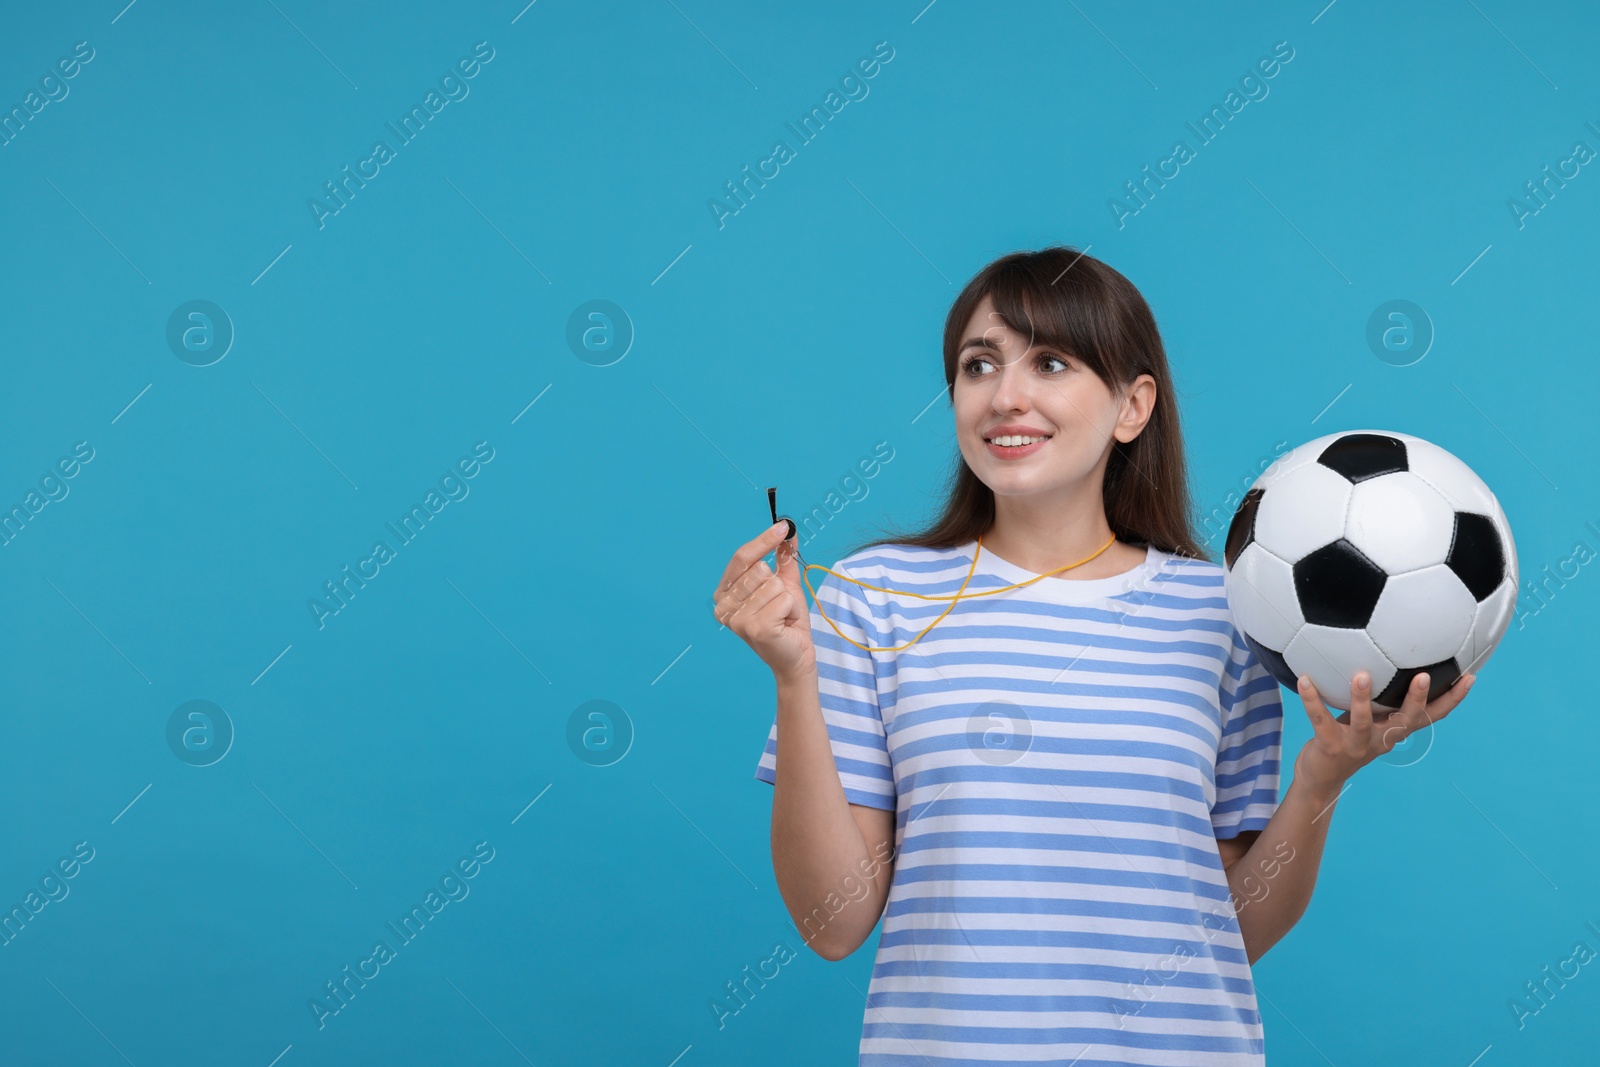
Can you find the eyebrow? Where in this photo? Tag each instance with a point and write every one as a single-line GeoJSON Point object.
{"type": "Point", "coordinates": [984, 342]}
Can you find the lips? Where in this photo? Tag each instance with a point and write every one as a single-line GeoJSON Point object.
{"type": "Point", "coordinates": [1012, 429]}
{"type": "Point", "coordinates": [1015, 451]}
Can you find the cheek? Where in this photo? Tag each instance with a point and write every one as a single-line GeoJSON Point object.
{"type": "Point", "coordinates": [966, 416]}
{"type": "Point", "coordinates": [969, 413]}
{"type": "Point", "coordinates": [963, 409]}
{"type": "Point", "coordinates": [1077, 405]}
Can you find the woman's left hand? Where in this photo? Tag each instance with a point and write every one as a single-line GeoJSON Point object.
{"type": "Point", "coordinates": [1342, 746]}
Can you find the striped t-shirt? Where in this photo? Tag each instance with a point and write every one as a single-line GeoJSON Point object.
{"type": "Point", "coordinates": [1061, 759]}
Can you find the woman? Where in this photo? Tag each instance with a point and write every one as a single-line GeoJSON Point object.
{"type": "Point", "coordinates": [1061, 797]}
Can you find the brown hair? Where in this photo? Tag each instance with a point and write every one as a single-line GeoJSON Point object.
{"type": "Point", "coordinates": [1091, 311]}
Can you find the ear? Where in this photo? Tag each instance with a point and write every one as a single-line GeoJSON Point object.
{"type": "Point", "coordinates": [1138, 404]}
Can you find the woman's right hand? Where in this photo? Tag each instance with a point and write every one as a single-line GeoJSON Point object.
{"type": "Point", "coordinates": [767, 610]}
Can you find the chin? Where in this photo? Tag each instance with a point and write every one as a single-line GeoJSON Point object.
{"type": "Point", "coordinates": [1013, 487]}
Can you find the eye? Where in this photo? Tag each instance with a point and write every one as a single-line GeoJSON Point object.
{"type": "Point", "coordinates": [1048, 362]}
{"type": "Point", "coordinates": [1049, 357]}
{"type": "Point", "coordinates": [968, 363]}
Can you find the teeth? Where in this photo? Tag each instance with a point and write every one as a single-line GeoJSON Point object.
{"type": "Point", "coordinates": [1013, 440]}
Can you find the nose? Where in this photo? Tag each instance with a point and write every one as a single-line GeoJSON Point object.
{"type": "Point", "coordinates": [1013, 386]}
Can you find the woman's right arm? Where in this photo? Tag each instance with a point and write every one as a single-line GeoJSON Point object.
{"type": "Point", "coordinates": [825, 850]}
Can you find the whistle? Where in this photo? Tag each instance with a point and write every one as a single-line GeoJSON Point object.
{"type": "Point", "coordinates": [772, 505]}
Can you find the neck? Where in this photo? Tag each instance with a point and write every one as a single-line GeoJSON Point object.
{"type": "Point", "coordinates": [1040, 537]}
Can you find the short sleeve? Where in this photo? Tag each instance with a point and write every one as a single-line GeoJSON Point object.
{"type": "Point", "coordinates": [847, 689]}
{"type": "Point", "coordinates": [1252, 736]}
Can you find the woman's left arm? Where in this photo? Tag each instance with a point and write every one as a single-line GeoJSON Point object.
{"type": "Point", "coordinates": [1271, 871]}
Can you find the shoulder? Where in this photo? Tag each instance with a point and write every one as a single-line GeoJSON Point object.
{"type": "Point", "coordinates": [1189, 577]}
{"type": "Point", "coordinates": [1200, 587]}
{"type": "Point", "coordinates": [1194, 591]}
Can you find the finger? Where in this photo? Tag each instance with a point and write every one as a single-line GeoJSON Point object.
{"type": "Point", "coordinates": [769, 591]}
{"type": "Point", "coordinates": [727, 605]}
{"type": "Point", "coordinates": [752, 550]}
{"type": "Point", "coordinates": [1409, 717]}
{"type": "Point", "coordinates": [1322, 721]}
{"type": "Point", "coordinates": [1450, 699]}
{"type": "Point", "coordinates": [777, 612]}
{"type": "Point", "coordinates": [1361, 710]}
{"type": "Point", "coordinates": [750, 580]}
{"type": "Point", "coordinates": [1396, 727]}
{"type": "Point", "coordinates": [789, 571]}
{"type": "Point", "coordinates": [1427, 713]}
{"type": "Point", "coordinates": [729, 600]}
{"type": "Point", "coordinates": [1414, 707]}
{"type": "Point", "coordinates": [741, 607]}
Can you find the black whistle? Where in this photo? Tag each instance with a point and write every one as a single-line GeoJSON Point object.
{"type": "Point", "coordinates": [772, 504]}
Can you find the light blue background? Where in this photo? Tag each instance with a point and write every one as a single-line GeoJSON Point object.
{"type": "Point", "coordinates": [777, 350]}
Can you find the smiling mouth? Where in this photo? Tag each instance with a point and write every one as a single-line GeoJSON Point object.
{"type": "Point", "coordinates": [1016, 440]}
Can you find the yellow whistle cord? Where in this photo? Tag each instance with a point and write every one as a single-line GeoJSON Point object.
{"type": "Point", "coordinates": [805, 575]}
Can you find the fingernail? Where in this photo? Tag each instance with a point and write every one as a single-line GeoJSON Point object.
{"type": "Point", "coordinates": [1470, 679]}
{"type": "Point", "coordinates": [1363, 680]}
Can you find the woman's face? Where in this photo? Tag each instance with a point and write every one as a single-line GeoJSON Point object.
{"type": "Point", "coordinates": [1053, 416]}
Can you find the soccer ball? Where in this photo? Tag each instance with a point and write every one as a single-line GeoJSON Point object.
{"type": "Point", "coordinates": [1370, 549]}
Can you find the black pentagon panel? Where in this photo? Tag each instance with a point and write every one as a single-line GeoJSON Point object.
{"type": "Point", "coordinates": [1359, 456]}
{"type": "Point", "coordinates": [1476, 554]}
{"type": "Point", "coordinates": [1441, 676]}
{"type": "Point", "coordinates": [1274, 662]}
{"type": "Point", "coordinates": [1243, 528]}
{"type": "Point", "coordinates": [1338, 586]}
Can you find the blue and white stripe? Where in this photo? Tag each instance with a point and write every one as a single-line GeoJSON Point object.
{"type": "Point", "coordinates": [1058, 896]}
